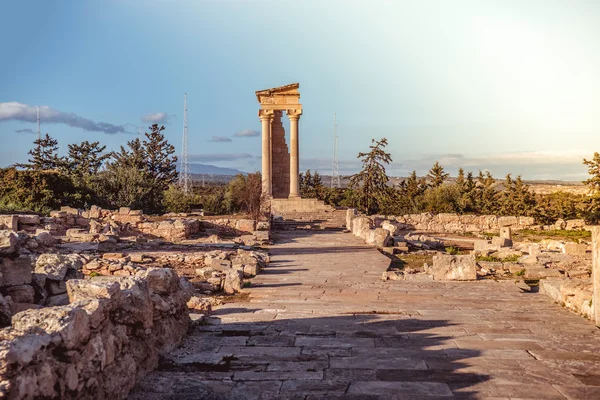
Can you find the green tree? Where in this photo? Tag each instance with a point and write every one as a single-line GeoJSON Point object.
{"type": "Point", "coordinates": [44, 156]}
{"type": "Point", "coordinates": [370, 184]}
{"type": "Point", "coordinates": [139, 175]}
{"type": "Point", "coordinates": [436, 175]}
{"type": "Point", "coordinates": [592, 208]}
{"type": "Point", "coordinates": [85, 159]}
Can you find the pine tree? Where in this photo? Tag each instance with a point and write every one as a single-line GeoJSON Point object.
{"type": "Point", "coordinates": [44, 156]}
{"type": "Point", "coordinates": [161, 164]}
{"type": "Point", "coordinates": [594, 170]}
{"type": "Point", "coordinates": [592, 208]}
{"type": "Point", "coordinates": [370, 183]}
{"type": "Point", "coordinates": [85, 159]}
{"type": "Point", "coordinates": [461, 182]}
{"type": "Point", "coordinates": [437, 175]}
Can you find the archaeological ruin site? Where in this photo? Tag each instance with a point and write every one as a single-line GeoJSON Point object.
{"type": "Point", "coordinates": [308, 301]}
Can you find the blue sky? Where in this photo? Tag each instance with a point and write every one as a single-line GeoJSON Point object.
{"type": "Point", "coordinates": [509, 86]}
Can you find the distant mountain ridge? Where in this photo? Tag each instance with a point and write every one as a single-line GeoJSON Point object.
{"type": "Point", "coordinates": [213, 170]}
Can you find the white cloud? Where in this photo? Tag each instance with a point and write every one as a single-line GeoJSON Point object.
{"type": "Point", "coordinates": [220, 139]}
{"type": "Point", "coordinates": [24, 112]}
{"type": "Point", "coordinates": [247, 133]}
{"type": "Point", "coordinates": [156, 118]}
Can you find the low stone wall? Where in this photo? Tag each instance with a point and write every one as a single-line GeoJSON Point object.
{"type": "Point", "coordinates": [455, 223]}
{"type": "Point", "coordinates": [361, 226]}
{"type": "Point", "coordinates": [98, 225]}
{"type": "Point", "coordinates": [573, 294]}
{"type": "Point", "coordinates": [109, 336]}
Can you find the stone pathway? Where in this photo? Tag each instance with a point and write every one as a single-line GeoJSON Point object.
{"type": "Point", "coordinates": [319, 323]}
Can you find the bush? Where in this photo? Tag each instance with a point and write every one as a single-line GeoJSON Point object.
{"type": "Point", "coordinates": [175, 200]}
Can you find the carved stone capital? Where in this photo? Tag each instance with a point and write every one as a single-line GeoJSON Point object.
{"type": "Point", "coordinates": [266, 114]}
{"type": "Point", "coordinates": [294, 113]}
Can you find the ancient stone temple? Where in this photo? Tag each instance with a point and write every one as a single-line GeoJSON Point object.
{"type": "Point", "coordinates": [280, 166]}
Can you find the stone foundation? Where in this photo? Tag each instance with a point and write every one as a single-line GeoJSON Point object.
{"type": "Point", "coordinates": [109, 336]}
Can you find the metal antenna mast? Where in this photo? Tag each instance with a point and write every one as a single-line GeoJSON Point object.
{"type": "Point", "coordinates": [39, 131]}
{"type": "Point", "coordinates": [184, 166]}
{"type": "Point", "coordinates": [140, 133]}
{"type": "Point", "coordinates": [335, 167]}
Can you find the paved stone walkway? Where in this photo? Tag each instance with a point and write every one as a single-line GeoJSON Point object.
{"type": "Point", "coordinates": [320, 323]}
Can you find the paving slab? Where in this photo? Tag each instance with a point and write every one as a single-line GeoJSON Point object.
{"type": "Point", "coordinates": [320, 324]}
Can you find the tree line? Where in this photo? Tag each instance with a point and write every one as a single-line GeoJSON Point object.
{"type": "Point", "coordinates": [370, 192]}
{"type": "Point", "coordinates": [143, 175]}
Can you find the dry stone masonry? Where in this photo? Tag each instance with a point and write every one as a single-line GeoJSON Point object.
{"type": "Point", "coordinates": [110, 335]}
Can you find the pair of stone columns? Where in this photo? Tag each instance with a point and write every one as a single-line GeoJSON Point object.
{"type": "Point", "coordinates": [266, 118]}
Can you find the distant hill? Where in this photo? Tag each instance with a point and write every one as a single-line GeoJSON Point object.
{"type": "Point", "coordinates": [213, 170]}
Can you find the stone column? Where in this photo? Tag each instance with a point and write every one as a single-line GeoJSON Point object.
{"type": "Point", "coordinates": [265, 119]}
{"type": "Point", "coordinates": [596, 273]}
{"type": "Point", "coordinates": [294, 116]}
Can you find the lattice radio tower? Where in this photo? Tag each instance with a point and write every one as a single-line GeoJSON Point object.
{"type": "Point", "coordinates": [335, 166]}
{"type": "Point", "coordinates": [39, 131]}
{"type": "Point", "coordinates": [184, 166]}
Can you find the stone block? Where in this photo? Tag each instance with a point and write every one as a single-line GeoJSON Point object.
{"type": "Point", "coordinates": [9, 222]}
{"type": "Point", "coordinates": [501, 242]}
{"type": "Point", "coordinates": [9, 242]}
{"type": "Point", "coordinates": [455, 268]}
{"type": "Point", "coordinates": [26, 219]}
{"type": "Point", "coordinates": [484, 245]}
{"type": "Point", "coordinates": [506, 232]}
{"type": "Point", "coordinates": [574, 224]}
{"type": "Point", "coordinates": [508, 221]}
{"type": "Point", "coordinates": [380, 237]}
{"type": "Point", "coordinates": [575, 249]}
{"type": "Point", "coordinates": [560, 224]}
{"type": "Point", "coordinates": [540, 272]}
{"type": "Point", "coordinates": [233, 282]}
{"type": "Point", "coordinates": [15, 271]}
{"type": "Point", "coordinates": [69, 210]}
{"type": "Point", "coordinates": [45, 239]}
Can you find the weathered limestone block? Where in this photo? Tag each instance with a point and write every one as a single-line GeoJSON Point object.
{"type": "Point", "coordinates": [526, 222]}
{"type": "Point", "coordinates": [508, 221]}
{"type": "Point", "coordinates": [552, 245]}
{"type": "Point", "coordinates": [485, 245]}
{"type": "Point", "coordinates": [55, 266]}
{"type": "Point", "coordinates": [17, 271]}
{"type": "Point", "coordinates": [81, 235]}
{"type": "Point", "coordinates": [501, 242]}
{"type": "Point", "coordinates": [380, 237]}
{"type": "Point", "coordinates": [574, 224]}
{"type": "Point", "coordinates": [9, 242]}
{"type": "Point", "coordinates": [9, 222]}
{"type": "Point", "coordinates": [233, 282]}
{"type": "Point", "coordinates": [454, 268]}
{"type": "Point", "coordinates": [576, 249]}
{"type": "Point", "coordinates": [540, 272]}
{"type": "Point", "coordinates": [45, 239]}
{"type": "Point", "coordinates": [350, 215]}
{"type": "Point", "coordinates": [390, 226]}
{"type": "Point", "coordinates": [244, 225]}
{"type": "Point", "coordinates": [506, 233]}
{"type": "Point", "coordinates": [26, 219]}
{"type": "Point", "coordinates": [575, 295]}
{"type": "Point", "coordinates": [447, 218]}
{"type": "Point", "coordinates": [361, 226]}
